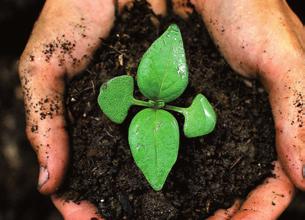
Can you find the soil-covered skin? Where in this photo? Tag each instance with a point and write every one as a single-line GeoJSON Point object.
{"type": "Point", "coordinates": [19, 198]}
{"type": "Point", "coordinates": [211, 171]}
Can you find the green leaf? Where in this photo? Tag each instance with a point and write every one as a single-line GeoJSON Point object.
{"type": "Point", "coordinates": [154, 141]}
{"type": "Point", "coordinates": [200, 117]}
{"type": "Point", "coordinates": [163, 73]}
{"type": "Point", "coordinates": [116, 97]}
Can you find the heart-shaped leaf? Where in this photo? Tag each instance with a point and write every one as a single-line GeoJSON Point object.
{"type": "Point", "coordinates": [116, 97]}
{"type": "Point", "coordinates": [154, 141]}
{"type": "Point", "coordinates": [163, 73]}
{"type": "Point", "coordinates": [200, 117]}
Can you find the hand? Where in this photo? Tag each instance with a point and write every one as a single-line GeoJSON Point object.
{"type": "Point", "coordinates": [266, 39]}
{"type": "Point", "coordinates": [267, 201]}
{"type": "Point", "coordinates": [61, 45]}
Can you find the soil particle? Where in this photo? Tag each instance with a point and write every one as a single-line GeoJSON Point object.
{"type": "Point", "coordinates": [211, 171]}
{"type": "Point", "coordinates": [299, 104]}
{"type": "Point", "coordinates": [34, 128]}
{"type": "Point", "coordinates": [62, 48]}
{"type": "Point", "coordinates": [32, 58]}
{"type": "Point", "coordinates": [45, 107]}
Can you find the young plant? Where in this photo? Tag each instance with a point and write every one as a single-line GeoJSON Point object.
{"type": "Point", "coordinates": [154, 133]}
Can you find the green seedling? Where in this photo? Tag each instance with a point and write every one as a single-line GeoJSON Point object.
{"type": "Point", "coordinates": [154, 133]}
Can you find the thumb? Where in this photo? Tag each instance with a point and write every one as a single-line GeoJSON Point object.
{"type": "Point", "coordinates": [158, 6]}
{"type": "Point", "coordinates": [287, 97]}
{"type": "Point", "coordinates": [64, 37]}
{"type": "Point", "coordinates": [43, 89]}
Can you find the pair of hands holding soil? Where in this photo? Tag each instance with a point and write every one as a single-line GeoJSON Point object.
{"type": "Point", "coordinates": [257, 38]}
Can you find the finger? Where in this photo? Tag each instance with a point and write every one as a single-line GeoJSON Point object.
{"type": "Point", "coordinates": [124, 3]}
{"type": "Point", "coordinates": [46, 125]}
{"type": "Point", "coordinates": [268, 200]}
{"type": "Point", "coordinates": [288, 105]}
{"type": "Point", "coordinates": [287, 97]}
{"type": "Point", "coordinates": [76, 211]}
{"type": "Point", "coordinates": [225, 214]}
{"type": "Point", "coordinates": [61, 44]}
{"type": "Point", "coordinates": [158, 6]}
{"type": "Point", "coordinates": [182, 8]}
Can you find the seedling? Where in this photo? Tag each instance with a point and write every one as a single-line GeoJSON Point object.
{"type": "Point", "coordinates": [154, 133]}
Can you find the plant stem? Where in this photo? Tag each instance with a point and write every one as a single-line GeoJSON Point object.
{"type": "Point", "coordinates": [174, 108]}
{"type": "Point", "coordinates": [142, 103]}
{"type": "Point", "coordinates": [153, 104]}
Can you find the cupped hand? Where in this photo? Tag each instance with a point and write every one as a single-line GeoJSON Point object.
{"type": "Point", "coordinates": [68, 32]}
{"type": "Point", "coordinates": [61, 45]}
{"type": "Point", "coordinates": [267, 201]}
{"type": "Point", "coordinates": [266, 39]}
{"type": "Point", "coordinates": [62, 42]}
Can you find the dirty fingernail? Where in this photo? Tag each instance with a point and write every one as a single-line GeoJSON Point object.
{"type": "Point", "coordinates": [43, 176]}
{"type": "Point", "coordinates": [303, 171]}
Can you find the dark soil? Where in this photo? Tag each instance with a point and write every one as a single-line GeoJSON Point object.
{"type": "Point", "coordinates": [211, 171]}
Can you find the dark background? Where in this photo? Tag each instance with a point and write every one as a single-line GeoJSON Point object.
{"type": "Point", "coordinates": [19, 198]}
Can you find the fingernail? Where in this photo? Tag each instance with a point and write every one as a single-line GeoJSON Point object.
{"type": "Point", "coordinates": [43, 176]}
{"type": "Point", "coordinates": [303, 171]}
